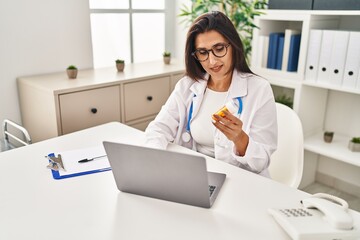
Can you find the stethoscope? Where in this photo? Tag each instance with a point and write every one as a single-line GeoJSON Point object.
{"type": "Point", "coordinates": [186, 136]}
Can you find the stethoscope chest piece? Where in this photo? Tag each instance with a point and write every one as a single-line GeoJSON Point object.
{"type": "Point", "coordinates": [186, 137]}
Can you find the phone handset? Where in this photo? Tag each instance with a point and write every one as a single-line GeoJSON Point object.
{"type": "Point", "coordinates": [335, 209]}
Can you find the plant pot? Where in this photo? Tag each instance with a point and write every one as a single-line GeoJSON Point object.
{"type": "Point", "coordinates": [328, 137]}
{"type": "Point", "coordinates": [120, 67]}
{"type": "Point", "coordinates": [355, 147]}
{"type": "Point", "coordinates": [167, 60]}
{"type": "Point", "coordinates": [72, 73]}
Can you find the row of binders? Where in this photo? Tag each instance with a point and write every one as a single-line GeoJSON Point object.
{"type": "Point", "coordinates": [334, 58]}
{"type": "Point", "coordinates": [279, 50]}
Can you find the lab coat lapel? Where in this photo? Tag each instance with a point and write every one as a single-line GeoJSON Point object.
{"type": "Point", "coordinates": [238, 86]}
{"type": "Point", "coordinates": [198, 89]}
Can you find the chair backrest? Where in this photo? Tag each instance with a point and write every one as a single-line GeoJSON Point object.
{"type": "Point", "coordinates": [14, 135]}
{"type": "Point", "coordinates": [287, 161]}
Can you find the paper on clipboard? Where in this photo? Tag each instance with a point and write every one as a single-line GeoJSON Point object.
{"type": "Point", "coordinates": [73, 168]}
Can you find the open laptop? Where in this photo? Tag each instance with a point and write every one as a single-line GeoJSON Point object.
{"type": "Point", "coordinates": [162, 174]}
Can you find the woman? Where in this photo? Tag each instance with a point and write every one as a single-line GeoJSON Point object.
{"type": "Point", "coordinates": [217, 72]}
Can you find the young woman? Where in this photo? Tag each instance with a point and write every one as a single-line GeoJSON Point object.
{"type": "Point", "coordinates": [216, 73]}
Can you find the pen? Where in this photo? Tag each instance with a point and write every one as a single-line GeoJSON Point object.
{"type": "Point", "coordinates": [90, 159]}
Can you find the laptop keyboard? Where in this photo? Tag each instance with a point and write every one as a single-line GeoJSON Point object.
{"type": "Point", "coordinates": [211, 189]}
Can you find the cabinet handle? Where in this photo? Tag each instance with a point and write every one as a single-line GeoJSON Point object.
{"type": "Point", "coordinates": [149, 98]}
{"type": "Point", "coordinates": [94, 110]}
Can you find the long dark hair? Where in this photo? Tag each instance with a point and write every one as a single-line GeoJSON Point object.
{"type": "Point", "coordinates": [221, 23]}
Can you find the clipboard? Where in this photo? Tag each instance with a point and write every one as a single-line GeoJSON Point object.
{"type": "Point", "coordinates": [68, 165]}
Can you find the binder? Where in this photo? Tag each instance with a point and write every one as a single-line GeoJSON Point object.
{"type": "Point", "coordinates": [294, 50]}
{"type": "Point", "coordinates": [265, 51]}
{"type": "Point", "coordinates": [69, 165]}
{"type": "Point", "coordinates": [273, 49]}
{"type": "Point", "coordinates": [313, 54]}
{"type": "Point", "coordinates": [325, 56]}
{"type": "Point", "coordinates": [352, 63]}
{"type": "Point", "coordinates": [259, 52]}
{"type": "Point", "coordinates": [338, 57]}
{"type": "Point", "coordinates": [287, 38]}
{"type": "Point", "coordinates": [280, 51]}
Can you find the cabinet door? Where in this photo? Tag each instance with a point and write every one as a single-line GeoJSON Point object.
{"type": "Point", "coordinates": [145, 98]}
{"type": "Point", "coordinates": [80, 110]}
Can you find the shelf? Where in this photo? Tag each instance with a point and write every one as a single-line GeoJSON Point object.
{"type": "Point", "coordinates": [337, 149]}
{"type": "Point", "coordinates": [331, 87]}
{"type": "Point", "coordinates": [280, 78]}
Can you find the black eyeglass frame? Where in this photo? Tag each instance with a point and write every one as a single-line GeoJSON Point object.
{"type": "Point", "coordinates": [226, 45]}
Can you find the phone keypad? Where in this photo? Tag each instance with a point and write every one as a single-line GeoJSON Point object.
{"type": "Point", "coordinates": [295, 212]}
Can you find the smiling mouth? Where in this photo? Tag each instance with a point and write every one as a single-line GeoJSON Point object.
{"type": "Point", "coordinates": [216, 69]}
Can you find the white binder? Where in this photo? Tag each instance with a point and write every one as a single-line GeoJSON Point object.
{"type": "Point", "coordinates": [338, 57]}
{"type": "Point", "coordinates": [352, 63]}
{"type": "Point", "coordinates": [262, 51]}
{"type": "Point", "coordinates": [287, 38]}
{"type": "Point", "coordinates": [312, 61]}
{"type": "Point", "coordinates": [265, 48]}
{"type": "Point", "coordinates": [325, 56]}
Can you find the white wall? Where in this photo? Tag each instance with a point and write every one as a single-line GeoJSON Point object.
{"type": "Point", "coordinates": [40, 36]}
{"type": "Point", "coordinates": [181, 30]}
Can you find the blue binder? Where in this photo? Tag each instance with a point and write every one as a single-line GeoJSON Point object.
{"type": "Point", "coordinates": [294, 53]}
{"type": "Point", "coordinates": [280, 51]}
{"type": "Point", "coordinates": [273, 49]}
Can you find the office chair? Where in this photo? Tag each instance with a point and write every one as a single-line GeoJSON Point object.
{"type": "Point", "coordinates": [286, 165]}
{"type": "Point", "coordinates": [11, 138]}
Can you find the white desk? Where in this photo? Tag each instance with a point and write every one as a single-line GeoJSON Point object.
{"type": "Point", "coordinates": [34, 206]}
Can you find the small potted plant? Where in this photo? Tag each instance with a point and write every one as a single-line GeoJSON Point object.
{"type": "Point", "coordinates": [167, 57]}
{"type": "Point", "coordinates": [72, 71]}
{"type": "Point", "coordinates": [354, 144]}
{"type": "Point", "coordinates": [328, 136]}
{"type": "Point", "coordinates": [120, 65]}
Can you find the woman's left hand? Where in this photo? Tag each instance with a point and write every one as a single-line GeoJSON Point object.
{"type": "Point", "coordinates": [231, 127]}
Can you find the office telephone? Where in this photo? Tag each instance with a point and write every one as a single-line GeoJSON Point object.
{"type": "Point", "coordinates": [321, 216]}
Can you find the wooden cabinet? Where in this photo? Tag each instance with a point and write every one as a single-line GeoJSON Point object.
{"type": "Point", "coordinates": [321, 107]}
{"type": "Point", "coordinates": [84, 109]}
{"type": "Point", "coordinates": [52, 104]}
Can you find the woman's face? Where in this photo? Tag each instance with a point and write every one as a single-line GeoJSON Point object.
{"type": "Point", "coordinates": [217, 67]}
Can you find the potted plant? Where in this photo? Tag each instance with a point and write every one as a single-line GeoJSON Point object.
{"type": "Point", "coordinates": [354, 144]}
{"type": "Point", "coordinates": [283, 99]}
{"type": "Point", "coordinates": [328, 136]}
{"type": "Point", "coordinates": [120, 65]}
{"type": "Point", "coordinates": [72, 71]}
{"type": "Point", "coordinates": [167, 57]}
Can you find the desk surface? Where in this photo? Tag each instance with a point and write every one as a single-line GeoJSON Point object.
{"type": "Point", "coordinates": [35, 206]}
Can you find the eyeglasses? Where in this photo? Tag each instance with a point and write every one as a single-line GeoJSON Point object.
{"type": "Point", "coordinates": [219, 50]}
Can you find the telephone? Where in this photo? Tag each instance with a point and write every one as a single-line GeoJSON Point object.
{"type": "Point", "coordinates": [322, 216]}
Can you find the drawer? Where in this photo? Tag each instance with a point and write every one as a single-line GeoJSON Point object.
{"type": "Point", "coordinates": [80, 110]}
{"type": "Point", "coordinates": [145, 98]}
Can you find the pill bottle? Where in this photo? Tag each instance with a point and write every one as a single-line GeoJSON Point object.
{"type": "Point", "coordinates": [231, 106]}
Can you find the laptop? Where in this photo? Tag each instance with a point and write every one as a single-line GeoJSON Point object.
{"type": "Point", "coordinates": [163, 174]}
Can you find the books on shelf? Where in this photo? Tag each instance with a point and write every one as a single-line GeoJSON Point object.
{"type": "Point", "coordinates": [287, 38]}
{"type": "Point", "coordinates": [262, 51]}
{"type": "Point", "coordinates": [333, 58]}
{"type": "Point", "coordinates": [338, 57]}
{"type": "Point", "coordinates": [352, 63]}
{"type": "Point", "coordinates": [273, 49]}
{"type": "Point", "coordinates": [325, 56]}
{"type": "Point", "coordinates": [279, 53]}
{"type": "Point", "coordinates": [294, 50]}
{"type": "Point", "coordinates": [313, 53]}
{"type": "Point", "coordinates": [283, 50]}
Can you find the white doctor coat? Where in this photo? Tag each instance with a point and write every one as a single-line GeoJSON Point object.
{"type": "Point", "coordinates": [258, 117]}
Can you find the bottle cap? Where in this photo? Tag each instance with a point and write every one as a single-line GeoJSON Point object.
{"type": "Point", "coordinates": [232, 107]}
